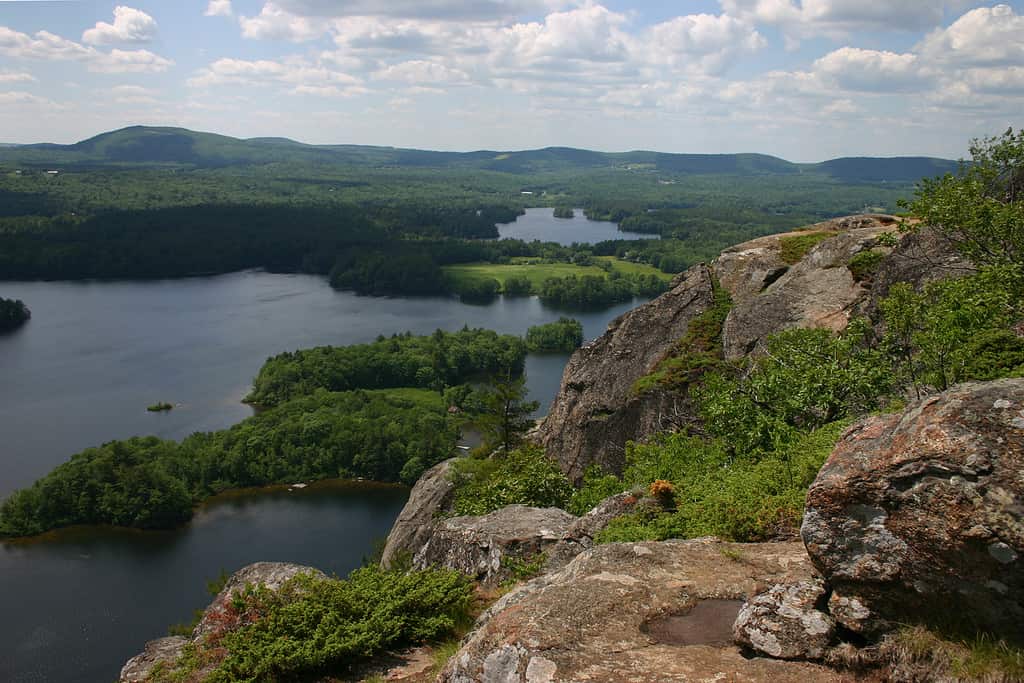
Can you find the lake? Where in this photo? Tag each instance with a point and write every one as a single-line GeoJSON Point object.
{"type": "Point", "coordinates": [78, 603]}
{"type": "Point", "coordinates": [539, 224]}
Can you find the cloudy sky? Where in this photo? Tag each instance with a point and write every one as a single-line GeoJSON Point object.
{"type": "Point", "coordinates": [803, 79]}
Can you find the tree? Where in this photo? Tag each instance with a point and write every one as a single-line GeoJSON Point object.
{"type": "Point", "coordinates": [981, 208]}
{"type": "Point", "coordinates": [505, 415]}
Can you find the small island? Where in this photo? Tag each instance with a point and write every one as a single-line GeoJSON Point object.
{"type": "Point", "coordinates": [566, 336]}
{"type": "Point", "coordinates": [13, 314]}
{"type": "Point", "coordinates": [564, 212]}
{"type": "Point", "coordinates": [160, 407]}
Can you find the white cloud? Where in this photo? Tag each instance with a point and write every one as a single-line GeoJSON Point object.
{"type": "Point", "coordinates": [131, 95]}
{"type": "Point", "coordinates": [299, 75]}
{"type": "Point", "coordinates": [130, 26]}
{"type": "Point", "coordinates": [446, 10]}
{"type": "Point", "coordinates": [219, 8]}
{"type": "Point", "coordinates": [420, 72]}
{"type": "Point", "coordinates": [872, 70]}
{"type": "Point", "coordinates": [276, 23]}
{"type": "Point", "coordinates": [711, 41]}
{"type": "Point", "coordinates": [45, 46]}
{"type": "Point", "coordinates": [19, 97]}
{"type": "Point", "coordinates": [808, 18]}
{"type": "Point", "coordinates": [984, 36]}
{"type": "Point", "coordinates": [16, 77]}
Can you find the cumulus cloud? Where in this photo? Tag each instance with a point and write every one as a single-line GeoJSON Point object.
{"type": "Point", "coordinates": [840, 17]}
{"type": "Point", "coordinates": [277, 23]}
{"type": "Point", "coordinates": [446, 10]}
{"type": "Point", "coordinates": [421, 72]}
{"type": "Point", "coordinates": [130, 26]}
{"type": "Point", "coordinates": [45, 46]}
{"type": "Point", "coordinates": [219, 8]}
{"type": "Point", "coordinates": [873, 70]}
{"type": "Point", "coordinates": [983, 36]}
{"type": "Point", "coordinates": [299, 75]}
{"type": "Point", "coordinates": [710, 40]}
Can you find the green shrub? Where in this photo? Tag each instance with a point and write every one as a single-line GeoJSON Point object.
{"type": "Point", "coordinates": [795, 247]}
{"type": "Point", "coordinates": [864, 264]}
{"type": "Point", "coordinates": [314, 626]}
{"type": "Point", "coordinates": [596, 486]}
{"type": "Point", "coordinates": [737, 499]}
{"type": "Point", "coordinates": [522, 477]}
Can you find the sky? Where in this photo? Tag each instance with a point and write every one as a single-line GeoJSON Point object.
{"type": "Point", "coordinates": [805, 80]}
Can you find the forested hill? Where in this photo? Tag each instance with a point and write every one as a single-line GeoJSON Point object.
{"type": "Point", "coordinates": [148, 146]}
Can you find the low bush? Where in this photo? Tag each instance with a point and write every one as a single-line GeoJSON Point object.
{"type": "Point", "coordinates": [522, 477]}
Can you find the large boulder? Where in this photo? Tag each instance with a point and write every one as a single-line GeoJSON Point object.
{"type": "Point", "coordinates": [218, 618]}
{"type": "Point", "coordinates": [638, 612]}
{"type": "Point", "coordinates": [429, 499]}
{"type": "Point", "coordinates": [920, 515]}
{"type": "Point", "coordinates": [596, 410]}
{"type": "Point", "coordinates": [481, 546]}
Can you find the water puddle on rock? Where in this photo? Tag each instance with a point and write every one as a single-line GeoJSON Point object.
{"type": "Point", "coordinates": [709, 622]}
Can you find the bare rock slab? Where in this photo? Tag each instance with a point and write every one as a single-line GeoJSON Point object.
{"type": "Point", "coordinates": [921, 514]}
{"type": "Point", "coordinates": [479, 546]}
{"type": "Point", "coordinates": [640, 612]}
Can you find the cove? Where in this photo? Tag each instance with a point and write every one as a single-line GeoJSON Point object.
{"type": "Point", "coordinates": [82, 372]}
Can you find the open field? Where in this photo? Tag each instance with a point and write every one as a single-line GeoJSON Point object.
{"type": "Point", "coordinates": [538, 272]}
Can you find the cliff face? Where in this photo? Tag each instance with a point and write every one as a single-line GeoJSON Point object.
{"type": "Point", "coordinates": [778, 282]}
{"type": "Point", "coordinates": [596, 412]}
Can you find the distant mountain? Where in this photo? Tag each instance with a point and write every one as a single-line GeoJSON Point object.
{"type": "Point", "coordinates": [894, 169]}
{"type": "Point", "coordinates": [144, 146]}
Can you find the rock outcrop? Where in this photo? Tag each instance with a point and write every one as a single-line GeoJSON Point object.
{"type": "Point", "coordinates": [216, 618]}
{"type": "Point", "coordinates": [482, 546]}
{"type": "Point", "coordinates": [920, 515]}
{"type": "Point", "coordinates": [428, 500]}
{"type": "Point", "coordinates": [639, 612]}
{"type": "Point", "coordinates": [596, 411]}
{"type": "Point", "coordinates": [818, 291]}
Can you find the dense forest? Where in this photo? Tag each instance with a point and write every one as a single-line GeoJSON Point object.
{"type": "Point", "coordinates": [13, 314]}
{"type": "Point", "coordinates": [377, 411]}
{"type": "Point", "coordinates": [154, 202]}
{"type": "Point", "coordinates": [564, 335]}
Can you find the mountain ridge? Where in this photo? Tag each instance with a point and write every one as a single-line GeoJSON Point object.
{"type": "Point", "coordinates": [135, 146]}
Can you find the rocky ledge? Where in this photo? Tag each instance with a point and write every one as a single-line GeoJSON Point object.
{"type": "Point", "coordinates": [596, 411]}
{"type": "Point", "coordinates": [640, 612]}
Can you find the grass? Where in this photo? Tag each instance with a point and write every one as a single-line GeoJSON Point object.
{"type": "Point", "coordinates": [927, 655]}
{"type": "Point", "coordinates": [795, 247]}
{"type": "Point", "coordinates": [537, 272]}
{"type": "Point", "coordinates": [160, 407]}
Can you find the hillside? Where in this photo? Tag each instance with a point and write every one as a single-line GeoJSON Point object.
{"type": "Point", "coordinates": [152, 146]}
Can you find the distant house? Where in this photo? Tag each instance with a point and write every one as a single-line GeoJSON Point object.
{"type": "Point", "coordinates": [52, 172]}
{"type": "Point", "coordinates": [527, 192]}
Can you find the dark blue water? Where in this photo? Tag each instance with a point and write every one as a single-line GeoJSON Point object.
{"type": "Point", "coordinates": [540, 224]}
{"type": "Point", "coordinates": [76, 605]}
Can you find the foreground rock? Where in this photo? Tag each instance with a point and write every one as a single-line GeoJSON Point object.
{"type": "Point", "coordinates": [643, 612]}
{"type": "Point", "coordinates": [482, 547]}
{"type": "Point", "coordinates": [218, 617]}
{"type": "Point", "coordinates": [785, 622]}
{"type": "Point", "coordinates": [920, 515]}
{"type": "Point", "coordinates": [429, 498]}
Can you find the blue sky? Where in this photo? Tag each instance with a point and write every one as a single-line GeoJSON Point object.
{"type": "Point", "coordinates": [803, 79]}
